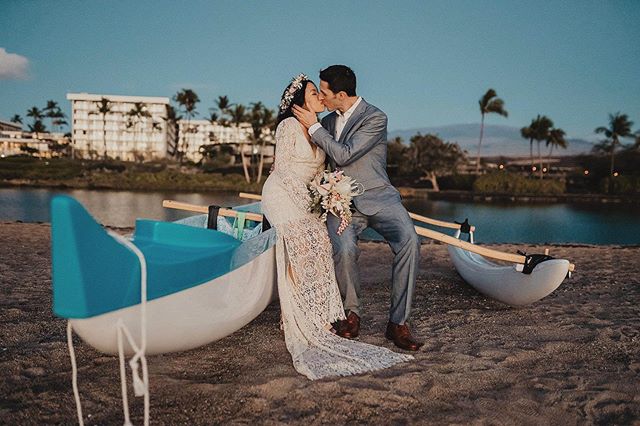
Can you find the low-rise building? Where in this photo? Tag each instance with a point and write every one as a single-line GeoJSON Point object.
{"type": "Point", "coordinates": [9, 126]}
{"type": "Point", "coordinates": [193, 134]}
{"type": "Point", "coordinates": [16, 142]}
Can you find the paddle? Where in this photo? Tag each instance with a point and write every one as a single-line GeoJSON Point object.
{"type": "Point", "coordinates": [447, 239]}
{"type": "Point", "coordinates": [414, 216]}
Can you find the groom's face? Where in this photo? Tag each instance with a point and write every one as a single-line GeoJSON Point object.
{"type": "Point", "coordinates": [327, 97]}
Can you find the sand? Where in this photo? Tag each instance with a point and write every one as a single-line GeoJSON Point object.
{"type": "Point", "coordinates": [571, 358]}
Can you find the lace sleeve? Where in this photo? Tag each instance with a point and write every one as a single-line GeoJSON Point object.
{"type": "Point", "coordinates": [285, 145]}
{"type": "Point", "coordinates": [319, 172]}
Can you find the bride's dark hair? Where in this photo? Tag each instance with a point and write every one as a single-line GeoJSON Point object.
{"type": "Point", "coordinates": [298, 99]}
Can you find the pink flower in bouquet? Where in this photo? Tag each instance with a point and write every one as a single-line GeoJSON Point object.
{"type": "Point", "coordinates": [332, 192]}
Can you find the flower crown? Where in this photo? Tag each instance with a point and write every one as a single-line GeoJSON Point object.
{"type": "Point", "coordinates": [287, 97]}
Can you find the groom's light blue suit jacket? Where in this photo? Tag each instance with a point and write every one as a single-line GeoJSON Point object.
{"type": "Point", "coordinates": [361, 151]}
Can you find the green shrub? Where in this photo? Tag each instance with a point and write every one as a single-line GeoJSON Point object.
{"type": "Point", "coordinates": [515, 184]}
{"type": "Point", "coordinates": [629, 184]}
{"type": "Point", "coordinates": [39, 169]}
{"type": "Point", "coordinates": [106, 165]}
{"type": "Point", "coordinates": [457, 182]}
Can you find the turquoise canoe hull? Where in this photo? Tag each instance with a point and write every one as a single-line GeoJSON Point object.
{"type": "Point", "coordinates": [94, 274]}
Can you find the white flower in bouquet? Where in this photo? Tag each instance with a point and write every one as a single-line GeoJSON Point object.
{"type": "Point", "coordinates": [332, 192]}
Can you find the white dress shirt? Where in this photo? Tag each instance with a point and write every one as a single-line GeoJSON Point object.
{"type": "Point", "coordinates": [341, 120]}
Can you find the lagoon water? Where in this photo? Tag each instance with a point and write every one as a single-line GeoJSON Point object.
{"type": "Point", "coordinates": [496, 223]}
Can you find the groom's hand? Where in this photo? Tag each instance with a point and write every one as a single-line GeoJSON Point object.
{"type": "Point", "coordinates": [305, 117]}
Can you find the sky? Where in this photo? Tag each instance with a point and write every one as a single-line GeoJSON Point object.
{"type": "Point", "coordinates": [425, 63]}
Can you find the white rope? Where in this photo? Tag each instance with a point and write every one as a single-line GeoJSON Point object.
{"type": "Point", "coordinates": [123, 376]}
{"type": "Point", "coordinates": [74, 373]}
{"type": "Point", "coordinates": [140, 385]}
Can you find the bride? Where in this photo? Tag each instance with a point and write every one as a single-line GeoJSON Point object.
{"type": "Point", "coordinates": [309, 296]}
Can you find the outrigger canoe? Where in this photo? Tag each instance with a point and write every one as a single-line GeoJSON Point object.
{"type": "Point", "coordinates": [201, 284]}
{"type": "Point", "coordinates": [515, 284]}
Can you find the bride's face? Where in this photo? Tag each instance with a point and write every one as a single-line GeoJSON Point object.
{"type": "Point", "coordinates": [312, 100]}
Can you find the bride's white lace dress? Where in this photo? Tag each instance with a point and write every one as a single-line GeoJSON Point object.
{"type": "Point", "coordinates": [309, 296]}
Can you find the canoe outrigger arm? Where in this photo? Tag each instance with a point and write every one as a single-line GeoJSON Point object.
{"type": "Point", "coordinates": [170, 204]}
{"type": "Point", "coordinates": [424, 232]}
{"type": "Point", "coordinates": [413, 216]}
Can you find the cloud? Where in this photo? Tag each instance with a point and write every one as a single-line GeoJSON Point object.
{"type": "Point", "coordinates": [13, 66]}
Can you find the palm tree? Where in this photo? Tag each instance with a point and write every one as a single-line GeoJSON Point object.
{"type": "Point", "coordinates": [50, 110]}
{"type": "Point", "coordinates": [187, 99]}
{"type": "Point", "coordinates": [35, 113]}
{"type": "Point", "coordinates": [103, 108]}
{"type": "Point", "coordinates": [540, 132]}
{"type": "Point", "coordinates": [58, 119]}
{"type": "Point", "coordinates": [16, 119]}
{"type": "Point", "coordinates": [619, 127]}
{"type": "Point", "coordinates": [238, 115]}
{"type": "Point", "coordinates": [555, 139]}
{"type": "Point", "coordinates": [489, 103]}
{"type": "Point", "coordinates": [172, 120]}
{"type": "Point", "coordinates": [262, 120]}
{"type": "Point", "coordinates": [527, 133]}
{"type": "Point", "coordinates": [38, 126]}
{"type": "Point", "coordinates": [224, 106]}
{"type": "Point", "coordinates": [136, 115]}
{"type": "Point", "coordinates": [213, 117]}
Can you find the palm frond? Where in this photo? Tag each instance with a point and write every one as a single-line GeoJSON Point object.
{"type": "Point", "coordinates": [484, 100]}
{"type": "Point", "coordinates": [497, 106]}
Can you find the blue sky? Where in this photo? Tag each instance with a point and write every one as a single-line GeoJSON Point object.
{"type": "Point", "coordinates": [424, 63]}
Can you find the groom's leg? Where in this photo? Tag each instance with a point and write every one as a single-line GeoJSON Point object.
{"type": "Point", "coordinates": [345, 258]}
{"type": "Point", "coordinates": [395, 225]}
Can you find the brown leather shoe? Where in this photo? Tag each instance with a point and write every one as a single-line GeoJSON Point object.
{"type": "Point", "coordinates": [401, 336]}
{"type": "Point", "coordinates": [349, 328]}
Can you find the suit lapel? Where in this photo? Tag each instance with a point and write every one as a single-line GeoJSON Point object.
{"type": "Point", "coordinates": [360, 109]}
{"type": "Point", "coordinates": [331, 123]}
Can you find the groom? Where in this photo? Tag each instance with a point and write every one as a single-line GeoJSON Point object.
{"type": "Point", "coordinates": [354, 136]}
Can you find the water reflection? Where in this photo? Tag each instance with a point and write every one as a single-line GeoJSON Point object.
{"type": "Point", "coordinates": [495, 222]}
{"type": "Point", "coordinates": [540, 223]}
{"type": "Point", "coordinates": [116, 208]}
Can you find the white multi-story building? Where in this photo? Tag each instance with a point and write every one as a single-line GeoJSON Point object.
{"type": "Point", "coordinates": [122, 135]}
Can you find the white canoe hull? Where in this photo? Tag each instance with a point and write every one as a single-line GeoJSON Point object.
{"type": "Point", "coordinates": [505, 283]}
{"type": "Point", "coordinates": [192, 317]}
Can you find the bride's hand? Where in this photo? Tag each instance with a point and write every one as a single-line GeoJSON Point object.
{"type": "Point", "coordinates": [305, 117]}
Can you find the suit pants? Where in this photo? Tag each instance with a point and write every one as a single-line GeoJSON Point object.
{"type": "Point", "coordinates": [395, 226]}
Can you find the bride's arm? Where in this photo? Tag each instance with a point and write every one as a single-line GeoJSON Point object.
{"type": "Point", "coordinates": [319, 172]}
{"type": "Point", "coordinates": [285, 145]}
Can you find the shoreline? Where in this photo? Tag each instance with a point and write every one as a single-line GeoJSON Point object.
{"type": "Point", "coordinates": [425, 240]}
{"type": "Point", "coordinates": [91, 186]}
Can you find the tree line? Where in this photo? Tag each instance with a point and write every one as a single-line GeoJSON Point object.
{"type": "Point", "coordinates": [541, 129]}
{"type": "Point", "coordinates": [425, 152]}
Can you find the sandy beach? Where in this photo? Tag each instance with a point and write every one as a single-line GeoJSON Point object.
{"type": "Point", "coordinates": [571, 358]}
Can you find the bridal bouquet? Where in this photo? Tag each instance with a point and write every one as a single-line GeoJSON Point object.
{"type": "Point", "coordinates": [331, 192]}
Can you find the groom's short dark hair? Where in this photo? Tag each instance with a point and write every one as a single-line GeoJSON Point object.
{"type": "Point", "coordinates": [340, 78]}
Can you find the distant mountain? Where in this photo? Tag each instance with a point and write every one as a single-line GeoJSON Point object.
{"type": "Point", "coordinates": [497, 140]}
